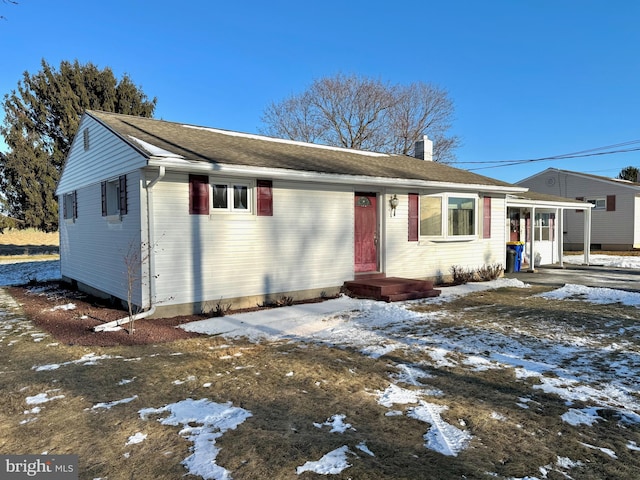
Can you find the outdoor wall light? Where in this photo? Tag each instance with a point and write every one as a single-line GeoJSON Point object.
{"type": "Point", "coordinates": [393, 203]}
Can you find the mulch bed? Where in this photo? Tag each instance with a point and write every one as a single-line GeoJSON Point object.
{"type": "Point", "coordinates": [41, 303]}
{"type": "Point", "coordinates": [75, 326]}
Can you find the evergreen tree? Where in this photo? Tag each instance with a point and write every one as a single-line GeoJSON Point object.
{"type": "Point", "coordinates": [41, 119]}
{"type": "Point", "coordinates": [630, 174]}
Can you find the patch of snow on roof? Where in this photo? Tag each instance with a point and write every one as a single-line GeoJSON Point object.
{"type": "Point", "coordinates": [289, 142]}
{"type": "Point", "coordinates": [153, 150]}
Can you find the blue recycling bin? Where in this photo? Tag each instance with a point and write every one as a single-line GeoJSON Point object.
{"type": "Point", "coordinates": [517, 248]}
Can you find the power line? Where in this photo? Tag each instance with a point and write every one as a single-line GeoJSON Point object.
{"type": "Point", "coordinates": [580, 154]}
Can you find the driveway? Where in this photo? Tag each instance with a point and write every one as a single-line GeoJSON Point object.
{"type": "Point", "coordinates": [591, 276]}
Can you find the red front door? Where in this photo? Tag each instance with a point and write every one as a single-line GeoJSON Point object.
{"type": "Point", "coordinates": [366, 232]}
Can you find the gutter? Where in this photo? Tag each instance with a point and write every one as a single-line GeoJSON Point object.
{"type": "Point", "coordinates": [321, 177]}
{"type": "Point", "coordinates": [150, 256]}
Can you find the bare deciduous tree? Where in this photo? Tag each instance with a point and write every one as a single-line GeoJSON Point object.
{"type": "Point", "coordinates": [364, 113]}
{"type": "Point", "coordinates": [11, 2]}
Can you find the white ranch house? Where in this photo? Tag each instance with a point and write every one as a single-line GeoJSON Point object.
{"type": "Point", "coordinates": [206, 216]}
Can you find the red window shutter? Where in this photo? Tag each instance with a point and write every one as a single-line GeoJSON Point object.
{"type": "Point", "coordinates": [486, 217]}
{"type": "Point", "coordinates": [581, 199]}
{"type": "Point", "coordinates": [103, 187]}
{"type": "Point", "coordinates": [123, 194]}
{"type": "Point", "coordinates": [611, 203]}
{"type": "Point", "coordinates": [414, 217]}
{"type": "Point", "coordinates": [265, 198]}
{"type": "Point", "coordinates": [198, 195]}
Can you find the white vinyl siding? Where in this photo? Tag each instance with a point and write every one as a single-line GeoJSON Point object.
{"type": "Point", "coordinates": [434, 259]}
{"type": "Point", "coordinates": [93, 248]}
{"type": "Point", "coordinates": [107, 157]}
{"type": "Point", "coordinates": [307, 243]}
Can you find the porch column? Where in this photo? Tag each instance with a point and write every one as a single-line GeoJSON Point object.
{"type": "Point", "coordinates": [587, 235]}
{"type": "Point", "coordinates": [532, 227]}
{"type": "Point", "coordinates": [560, 236]}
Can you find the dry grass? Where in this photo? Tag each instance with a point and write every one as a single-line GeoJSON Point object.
{"type": "Point", "coordinates": [29, 236]}
{"type": "Point", "coordinates": [28, 245]}
{"type": "Point", "coordinates": [288, 386]}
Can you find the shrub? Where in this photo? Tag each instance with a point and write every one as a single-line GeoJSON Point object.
{"type": "Point", "coordinates": [482, 274]}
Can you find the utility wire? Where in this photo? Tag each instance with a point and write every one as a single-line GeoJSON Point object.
{"type": "Point", "coordinates": [580, 154]}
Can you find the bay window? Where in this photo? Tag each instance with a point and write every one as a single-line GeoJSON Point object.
{"type": "Point", "coordinates": [448, 216]}
{"type": "Point", "coordinates": [461, 216]}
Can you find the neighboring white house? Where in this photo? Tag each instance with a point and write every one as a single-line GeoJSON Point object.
{"type": "Point", "coordinates": [206, 216]}
{"type": "Point", "coordinates": [616, 207]}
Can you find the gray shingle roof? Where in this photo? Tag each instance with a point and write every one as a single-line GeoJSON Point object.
{"type": "Point", "coordinates": [231, 148]}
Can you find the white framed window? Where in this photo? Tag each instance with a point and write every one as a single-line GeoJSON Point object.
{"type": "Point", "coordinates": [231, 196]}
{"type": "Point", "coordinates": [543, 227]}
{"type": "Point", "coordinates": [599, 203]}
{"type": "Point", "coordinates": [449, 216]}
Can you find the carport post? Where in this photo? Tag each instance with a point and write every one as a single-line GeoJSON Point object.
{"type": "Point", "coordinates": [560, 235]}
{"type": "Point", "coordinates": [532, 226]}
{"type": "Point", "coordinates": [587, 234]}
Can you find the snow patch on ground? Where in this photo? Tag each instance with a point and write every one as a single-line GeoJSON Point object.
{"type": "Point", "coordinates": [332, 463]}
{"type": "Point", "coordinates": [203, 422]}
{"type": "Point", "coordinates": [442, 437]}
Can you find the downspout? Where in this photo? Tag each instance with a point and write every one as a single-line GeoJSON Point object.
{"type": "Point", "coordinates": [150, 242]}
{"type": "Point", "coordinates": [152, 280]}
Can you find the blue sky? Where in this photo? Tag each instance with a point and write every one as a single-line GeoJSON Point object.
{"type": "Point", "coordinates": [529, 78]}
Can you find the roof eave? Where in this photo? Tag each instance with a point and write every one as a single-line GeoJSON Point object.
{"type": "Point", "coordinates": [197, 166]}
{"type": "Point", "coordinates": [524, 202]}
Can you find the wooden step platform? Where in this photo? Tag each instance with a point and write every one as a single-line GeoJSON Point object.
{"type": "Point", "coordinates": [390, 289]}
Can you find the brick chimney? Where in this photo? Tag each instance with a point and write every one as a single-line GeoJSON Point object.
{"type": "Point", "coordinates": [424, 149]}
